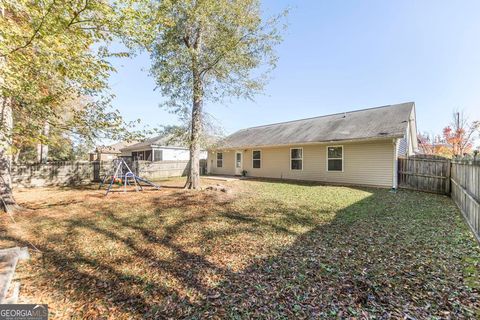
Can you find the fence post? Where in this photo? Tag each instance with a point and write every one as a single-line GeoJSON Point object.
{"type": "Point", "coordinates": [448, 182]}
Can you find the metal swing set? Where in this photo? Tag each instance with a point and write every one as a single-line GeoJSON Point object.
{"type": "Point", "coordinates": [123, 176]}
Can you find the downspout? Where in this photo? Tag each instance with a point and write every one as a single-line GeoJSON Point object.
{"type": "Point", "coordinates": [395, 166]}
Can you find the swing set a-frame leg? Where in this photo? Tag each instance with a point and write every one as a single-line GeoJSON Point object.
{"type": "Point", "coordinates": [102, 182]}
{"type": "Point", "coordinates": [113, 179]}
{"type": "Point", "coordinates": [110, 185]}
{"type": "Point", "coordinates": [137, 184]}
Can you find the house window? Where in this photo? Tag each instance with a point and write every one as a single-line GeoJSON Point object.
{"type": "Point", "coordinates": [219, 159]}
{"type": "Point", "coordinates": [257, 159]}
{"type": "Point", "coordinates": [296, 159]}
{"type": "Point", "coordinates": [134, 156]}
{"type": "Point", "coordinates": [148, 155]}
{"type": "Point", "coordinates": [157, 155]}
{"type": "Point", "coordinates": [335, 158]}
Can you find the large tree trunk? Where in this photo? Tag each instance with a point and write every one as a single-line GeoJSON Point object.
{"type": "Point", "coordinates": [7, 203]}
{"type": "Point", "coordinates": [193, 180]}
{"type": "Point", "coordinates": [42, 149]}
{"type": "Point", "coordinates": [194, 174]}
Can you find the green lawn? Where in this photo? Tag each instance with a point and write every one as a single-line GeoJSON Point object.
{"type": "Point", "coordinates": [266, 249]}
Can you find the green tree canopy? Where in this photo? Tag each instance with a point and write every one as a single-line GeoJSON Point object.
{"type": "Point", "coordinates": [208, 50]}
{"type": "Point", "coordinates": [56, 52]}
{"type": "Point", "coordinates": [52, 53]}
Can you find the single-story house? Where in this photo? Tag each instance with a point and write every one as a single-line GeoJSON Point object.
{"type": "Point", "coordinates": [107, 153]}
{"type": "Point", "coordinates": [160, 148]}
{"type": "Point", "coordinates": [356, 147]}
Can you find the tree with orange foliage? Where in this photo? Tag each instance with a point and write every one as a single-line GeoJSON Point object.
{"type": "Point", "coordinates": [460, 134]}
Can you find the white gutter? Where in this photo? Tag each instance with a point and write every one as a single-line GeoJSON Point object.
{"type": "Point", "coordinates": [153, 146]}
{"type": "Point", "coordinates": [308, 143]}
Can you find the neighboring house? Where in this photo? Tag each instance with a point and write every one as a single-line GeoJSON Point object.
{"type": "Point", "coordinates": [358, 147]}
{"type": "Point", "coordinates": [160, 148]}
{"type": "Point", "coordinates": [106, 153]}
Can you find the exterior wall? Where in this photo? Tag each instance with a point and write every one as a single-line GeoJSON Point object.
{"type": "Point", "coordinates": [129, 153]}
{"type": "Point", "coordinates": [180, 154]}
{"type": "Point", "coordinates": [125, 153]}
{"type": "Point", "coordinates": [169, 154]}
{"type": "Point", "coordinates": [228, 163]}
{"type": "Point", "coordinates": [408, 145]}
{"type": "Point", "coordinates": [402, 147]}
{"type": "Point", "coordinates": [412, 131]}
{"type": "Point", "coordinates": [364, 163]}
{"type": "Point", "coordinates": [175, 154]}
{"type": "Point", "coordinates": [106, 156]}
{"type": "Point", "coordinates": [98, 156]}
{"type": "Point", "coordinates": [409, 137]}
{"type": "Point", "coordinates": [161, 169]}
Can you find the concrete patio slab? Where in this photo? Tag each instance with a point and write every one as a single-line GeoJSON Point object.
{"type": "Point", "coordinates": [224, 178]}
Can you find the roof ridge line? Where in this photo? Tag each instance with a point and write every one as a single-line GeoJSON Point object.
{"type": "Point", "coordinates": [326, 115]}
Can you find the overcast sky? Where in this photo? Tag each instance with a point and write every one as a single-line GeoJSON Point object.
{"type": "Point", "coordinates": [345, 55]}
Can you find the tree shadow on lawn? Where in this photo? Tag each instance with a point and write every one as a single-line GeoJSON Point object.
{"type": "Point", "coordinates": [387, 255]}
{"type": "Point", "coordinates": [371, 261]}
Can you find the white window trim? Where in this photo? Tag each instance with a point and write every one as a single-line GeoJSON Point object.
{"type": "Point", "coordinates": [257, 159]}
{"type": "Point", "coordinates": [216, 158]}
{"type": "Point", "coordinates": [290, 164]}
{"type": "Point", "coordinates": [153, 154]}
{"type": "Point", "coordinates": [343, 156]}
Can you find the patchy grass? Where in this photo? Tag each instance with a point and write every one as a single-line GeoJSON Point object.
{"type": "Point", "coordinates": [268, 249]}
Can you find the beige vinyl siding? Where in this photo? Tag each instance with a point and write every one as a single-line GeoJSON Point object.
{"type": "Point", "coordinates": [106, 156]}
{"type": "Point", "coordinates": [365, 163]}
{"type": "Point", "coordinates": [228, 162]}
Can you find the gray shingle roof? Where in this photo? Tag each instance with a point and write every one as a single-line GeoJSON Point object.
{"type": "Point", "coordinates": [381, 122]}
{"type": "Point", "coordinates": [114, 148]}
{"type": "Point", "coordinates": [158, 141]}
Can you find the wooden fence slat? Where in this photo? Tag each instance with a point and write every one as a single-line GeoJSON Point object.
{"type": "Point", "coordinates": [448, 171]}
{"type": "Point", "coordinates": [430, 175]}
{"type": "Point", "coordinates": [465, 187]}
{"type": "Point", "coordinates": [458, 178]}
{"type": "Point", "coordinates": [80, 172]}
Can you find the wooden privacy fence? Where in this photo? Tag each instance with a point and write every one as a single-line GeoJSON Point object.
{"type": "Point", "coordinates": [459, 178]}
{"type": "Point", "coordinates": [424, 174]}
{"type": "Point", "coordinates": [465, 177]}
{"type": "Point", "coordinates": [64, 173]}
{"type": "Point", "coordinates": [52, 173]}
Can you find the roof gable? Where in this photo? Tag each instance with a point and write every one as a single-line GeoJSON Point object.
{"type": "Point", "coordinates": [381, 122]}
{"type": "Point", "coordinates": [114, 148]}
{"type": "Point", "coordinates": [158, 141]}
